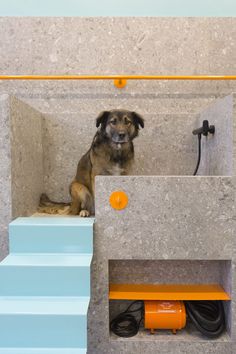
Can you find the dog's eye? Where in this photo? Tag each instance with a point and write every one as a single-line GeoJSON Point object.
{"type": "Point", "coordinates": [113, 122]}
{"type": "Point", "coordinates": [127, 121]}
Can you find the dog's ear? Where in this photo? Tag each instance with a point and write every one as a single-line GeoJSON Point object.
{"type": "Point", "coordinates": [138, 119]}
{"type": "Point", "coordinates": [102, 119]}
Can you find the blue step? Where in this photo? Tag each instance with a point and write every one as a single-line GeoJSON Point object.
{"type": "Point", "coordinates": [45, 275]}
{"type": "Point", "coordinates": [43, 322]}
{"type": "Point", "coordinates": [51, 235]}
{"type": "Point", "coordinates": [45, 286]}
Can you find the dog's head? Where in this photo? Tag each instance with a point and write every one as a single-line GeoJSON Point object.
{"type": "Point", "coordinates": [119, 126]}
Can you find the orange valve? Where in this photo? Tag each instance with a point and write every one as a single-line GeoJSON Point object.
{"type": "Point", "coordinates": [120, 83]}
{"type": "Point", "coordinates": [118, 200]}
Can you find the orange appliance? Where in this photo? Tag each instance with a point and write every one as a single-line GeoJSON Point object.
{"type": "Point", "coordinates": [160, 314]}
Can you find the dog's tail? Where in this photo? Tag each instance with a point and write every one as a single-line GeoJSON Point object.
{"type": "Point", "coordinates": [46, 205]}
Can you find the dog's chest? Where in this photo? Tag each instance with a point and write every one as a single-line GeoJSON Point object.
{"type": "Point", "coordinates": [116, 169]}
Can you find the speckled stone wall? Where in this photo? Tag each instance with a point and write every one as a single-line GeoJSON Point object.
{"type": "Point", "coordinates": [168, 271]}
{"type": "Point", "coordinates": [27, 173]}
{"type": "Point", "coordinates": [116, 46]}
{"type": "Point", "coordinates": [5, 173]}
{"type": "Point", "coordinates": [21, 156]}
{"type": "Point", "coordinates": [124, 44]}
{"type": "Point", "coordinates": [217, 150]}
{"type": "Point", "coordinates": [155, 227]}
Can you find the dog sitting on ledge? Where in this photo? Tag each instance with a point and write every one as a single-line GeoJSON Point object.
{"type": "Point", "coordinates": [111, 153]}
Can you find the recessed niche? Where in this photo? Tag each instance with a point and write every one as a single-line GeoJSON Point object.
{"type": "Point", "coordinates": [180, 272]}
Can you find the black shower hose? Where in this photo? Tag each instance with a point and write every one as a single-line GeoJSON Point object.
{"type": "Point", "coordinates": [207, 316]}
{"type": "Point", "coordinates": [199, 154]}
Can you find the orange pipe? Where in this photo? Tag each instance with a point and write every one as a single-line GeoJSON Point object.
{"type": "Point", "coordinates": [117, 77]}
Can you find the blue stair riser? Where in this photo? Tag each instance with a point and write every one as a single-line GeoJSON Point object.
{"type": "Point", "coordinates": [44, 281]}
{"type": "Point", "coordinates": [50, 331]}
{"type": "Point", "coordinates": [50, 238]}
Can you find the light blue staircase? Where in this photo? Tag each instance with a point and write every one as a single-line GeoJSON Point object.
{"type": "Point", "coordinates": [45, 286]}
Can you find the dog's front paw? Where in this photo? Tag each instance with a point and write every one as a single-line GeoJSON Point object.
{"type": "Point", "coordinates": [84, 213]}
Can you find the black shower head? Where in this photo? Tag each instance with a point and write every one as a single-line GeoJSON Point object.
{"type": "Point", "coordinates": [205, 129]}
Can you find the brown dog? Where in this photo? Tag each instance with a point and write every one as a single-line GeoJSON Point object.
{"type": "Point", "coordinates": [111, 153]}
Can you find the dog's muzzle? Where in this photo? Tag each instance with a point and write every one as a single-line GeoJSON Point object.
{"type": "Point", "coordinates": [120, 138]}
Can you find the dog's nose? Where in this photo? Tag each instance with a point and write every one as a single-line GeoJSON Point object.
{"type": "Point", "coordinates": [121, 135]}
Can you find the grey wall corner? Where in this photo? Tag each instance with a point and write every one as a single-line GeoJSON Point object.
{"type": "Point", "coordinates": [5, 173]}
{"type": "Point", "coordinates": [26, 157]}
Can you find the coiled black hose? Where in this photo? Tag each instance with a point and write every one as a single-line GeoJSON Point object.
{"type": "Point", "coordinates": [207, 316]}
{"type": "Point", "coordinates": [126, 324]}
